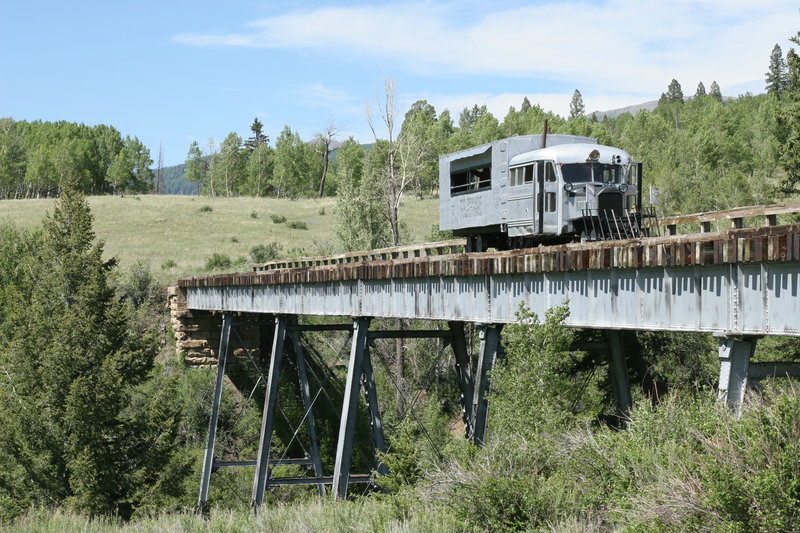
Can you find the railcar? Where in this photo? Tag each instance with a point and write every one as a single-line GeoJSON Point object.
{"type": "Point", "coordinates": [534, 189]}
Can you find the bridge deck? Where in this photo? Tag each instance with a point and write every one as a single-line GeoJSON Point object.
{"type": "Point", "coordinates": [766, 244]}
{"type": "Point", "coordinates": [736, 282]}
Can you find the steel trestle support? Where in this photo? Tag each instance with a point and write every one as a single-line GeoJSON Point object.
{"type": "Point", "coordinates": [344, 446]}
{"type": "Point", "coordinates": [490, 350]}
{"type": "Point", "coordinates": [208, 456]}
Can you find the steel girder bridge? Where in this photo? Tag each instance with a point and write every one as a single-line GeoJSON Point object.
{"type": "Point", "coordinates": [739, 284]}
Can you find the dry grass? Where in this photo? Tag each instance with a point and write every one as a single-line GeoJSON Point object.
{"type": "Point", "coordinates": [360, 516]}
{"type": "Point", "coordinates": [158, 229]}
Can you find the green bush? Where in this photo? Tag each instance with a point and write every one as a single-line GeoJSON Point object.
{"type": "Point", "coordinates": [253, 214]}
{"type": "Point", "coordinates": [206, 209]}
{"type": "Point", "coordinates": [277, 219]}
{"type": "Point", "coordinates": [168, 264]}
{"type": "Point", "coordinates": [261, 253]}
{"type": "Point", "coordinates": [217, 261]}
{"type": "Point", "coordinates": [297, 224]}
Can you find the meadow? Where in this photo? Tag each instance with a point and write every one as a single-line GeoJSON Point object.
{"type": "Point", "coordinates": [177, 234]}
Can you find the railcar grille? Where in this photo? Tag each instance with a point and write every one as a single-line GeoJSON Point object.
{"type": "Point", "coordinates": [605, 224]}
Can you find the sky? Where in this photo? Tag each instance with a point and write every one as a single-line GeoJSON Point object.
{"type": "Point", "coordinates": [171, 72]}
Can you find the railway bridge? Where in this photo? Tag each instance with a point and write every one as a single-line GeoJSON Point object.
{"type": "Point", "coordinates": [739, 284]}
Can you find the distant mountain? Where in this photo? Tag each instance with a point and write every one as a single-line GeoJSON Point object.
{"type": "Point", "coordinates": [632, 109]}
{"type": "Point", "coordinates": [176, 183]}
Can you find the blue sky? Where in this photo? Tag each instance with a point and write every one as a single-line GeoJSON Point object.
{"type": "Point", "coordinates": [170, 72]}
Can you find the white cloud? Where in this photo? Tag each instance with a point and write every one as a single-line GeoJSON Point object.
{"type": "Point", "coordinates": [624, 45]}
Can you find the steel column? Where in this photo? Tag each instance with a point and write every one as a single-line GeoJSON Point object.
{"type": "Point", "coordinates": [344, 446]}
{"type": "Point", "coordinates": [464, 373]}
{"type": "Point", "coordinates": [490, 348]}
{"type": "Point", "coordinates": [208, 456]}
{"type": "Point", "coordinates": [371, 395]}
{"type": "Point", "coordinates": [268, 417]}
{"type": "Point", "coordinates": [734, 356]}
{"type": "Point", "coordinates": [305, 392]}
{"type": "Point", "coordinates": [619, 371]}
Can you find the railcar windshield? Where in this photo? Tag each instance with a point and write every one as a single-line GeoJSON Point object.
{"type": "Point", "coordinates": [598, 172]}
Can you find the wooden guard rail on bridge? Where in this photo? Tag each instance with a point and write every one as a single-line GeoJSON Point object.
{"type": "Point", "coordinates": [621, 248]}
{"type": "Point", "coordinates": [771, 243]}
{"type": "Point", "coordinates": [735, 215]}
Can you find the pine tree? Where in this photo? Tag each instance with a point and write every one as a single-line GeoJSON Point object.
{"type": "Point", "coordinates": [674, 92]}
{"type": "Point", "coordinates": [789, 123]}
{"type": "Point", "coordinates": [701, 90]}
{"type": "Point", "coordinates": [714, 91]}
{"type": "Point", "coordinates": [258, 138]}
{"type": "Point", "coordinates": [526, 104]}
{"type": "Point", "coordinates": [576, 107]}
{"type": "Point", "coordinates": [777, 77]}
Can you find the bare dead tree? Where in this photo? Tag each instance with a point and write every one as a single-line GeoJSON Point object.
{"type": "Point", "coordinates": [159, 176]}
{"type": "Point", "coordinates": [394, 182]}
{"type": "Point", "coordinates": [323, 141]}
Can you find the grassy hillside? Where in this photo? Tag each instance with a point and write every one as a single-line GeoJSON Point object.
{"type": "Point", "coordinates": [182, 229]}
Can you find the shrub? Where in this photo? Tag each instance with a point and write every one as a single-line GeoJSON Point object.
{"type": "Point", "coordinates": [234, 239]}
{"type": "Point", "coordinates": [218, 261]}
{"type": "Point", "coordinates": [297, 224]}
{"type": "Point", "coordinates": [277, 219]}
{"type": "Point", "coordinates": [168, 264]}
{"type": "Point", "coordinates": [253, 214]}
{"type": "Point", "coordinates": [322, 211]}
{"type": "Point", "coordinates": [206, 209]}
{"type": "Point", "coordinates": [261, 253]}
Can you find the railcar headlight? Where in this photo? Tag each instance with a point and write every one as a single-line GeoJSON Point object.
{"type": "Point", "coordinates": [623, 187]}
{"type": "Point", "coordinates": [568, 187]}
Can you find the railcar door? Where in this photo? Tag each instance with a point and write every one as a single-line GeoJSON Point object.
{"type": "Point", "coordinates": [547, 198]}
{"type": "Point", "coordinates": [521, 208]}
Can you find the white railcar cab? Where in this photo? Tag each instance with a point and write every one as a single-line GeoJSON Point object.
{"type": "Point", "coordinates": [514, 192]}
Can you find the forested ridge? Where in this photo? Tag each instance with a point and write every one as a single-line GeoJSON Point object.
{"type": "Point", "coordinates": [102, 429]}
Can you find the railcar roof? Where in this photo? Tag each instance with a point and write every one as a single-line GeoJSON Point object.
{"type": "Point", "coordinates": [572, 153]}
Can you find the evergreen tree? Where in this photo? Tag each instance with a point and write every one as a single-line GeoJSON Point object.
{"type": "Point", "coordinates": [69, 432]}
{"type": "Point", "coordinates": [701, 90]}
{"type": "Point", "coordinates": [714, 92]}
{"type": "Point", "coordinates": [258, 138]}
{"type": "Point", "coordinates": [789, 124]}
{"type": "Point", "coordinates": [674, 92]}
{"type": "Point", "coordinates": [526, 104]}
{"type": "Point", "coordinates": [576, 107]}
{"type": "Point", "coordinates": [777, 77]}
{"type": "Point", "coordinates": [469, 116]}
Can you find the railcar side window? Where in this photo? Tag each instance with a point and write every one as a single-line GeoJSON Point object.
{"type": "Point", "coordinates": [521, 175]}
{"type": "Point", "coordinates": [549, 172]}
{"type": "Point", "coordinates": [550, 202]}
{"type": "Point", "coordinates": [471, 180]}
